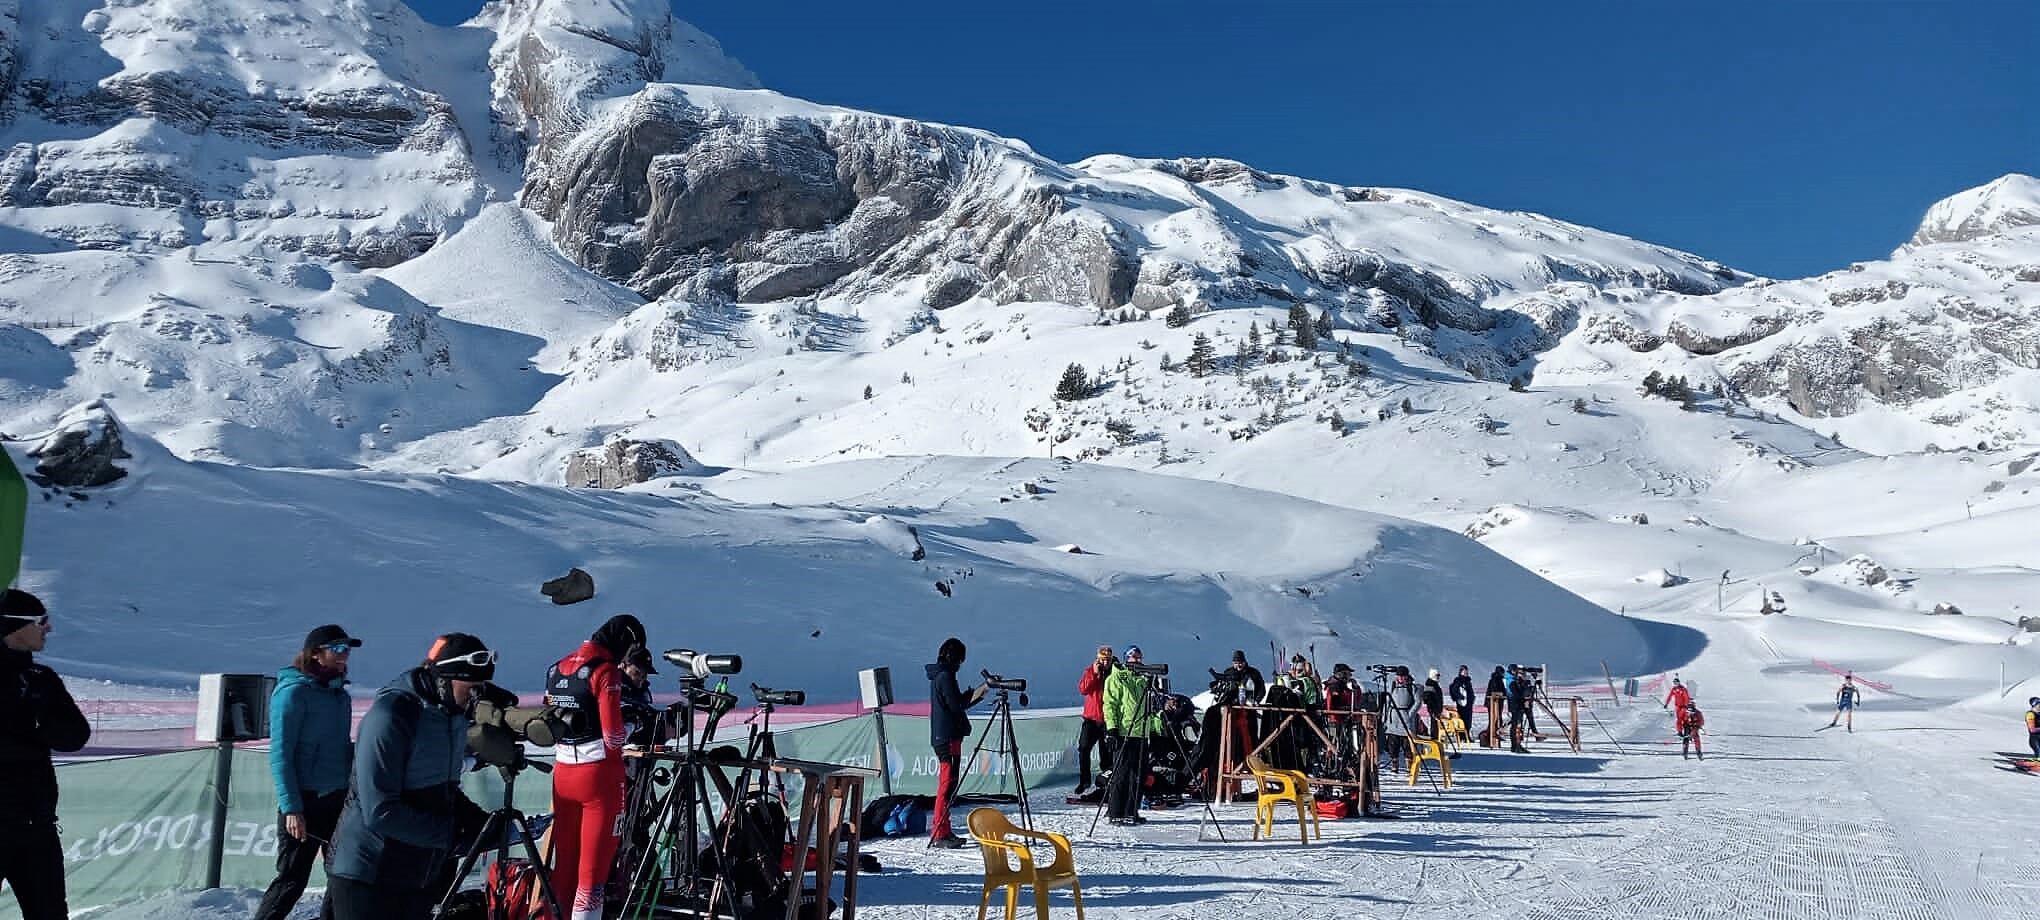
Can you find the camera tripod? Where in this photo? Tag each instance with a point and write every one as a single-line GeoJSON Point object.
{"type": "Point", "coordinates": [1141, 717]}
{"type": "Point", "coordinates": [669, 866]}
{"type": "Point", "coordinates": [497, 828]}
{"type": "Point", "coordinates": [1001, 721]}
{"type": "Point", "coordinates": [1403, 719]}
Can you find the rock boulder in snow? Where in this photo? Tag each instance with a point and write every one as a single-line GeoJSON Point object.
{"type": "Point", "coordinates": [83, 449]}
{"type": "Point", "coordinates": [572, 588]}
{"type": "Point", "coordinates": [627, 461]}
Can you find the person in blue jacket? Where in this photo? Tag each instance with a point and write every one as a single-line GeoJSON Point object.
{"type": "Point", "coordinates": [403, 812]}
{"type": "Point", "coordinates": [310, 754]}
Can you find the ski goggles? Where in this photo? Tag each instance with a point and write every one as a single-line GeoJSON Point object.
{"type": "Point", "coordinates": [38, 620]}
{"type": "Point", "coordinates": [485, 658]}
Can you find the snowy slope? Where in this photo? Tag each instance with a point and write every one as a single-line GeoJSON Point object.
{"type": "Point", "coordinates": [808, 587]}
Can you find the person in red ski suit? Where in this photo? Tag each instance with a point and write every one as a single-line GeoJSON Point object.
{"type": "Point", "coordinates": [1690, 721]}
{"type": "Point", "coordinates": [586, 687]}
{"type": "Point", "coordinates": [1091, 685]}
{"type": "Point", "coordinates": [1677, 699]}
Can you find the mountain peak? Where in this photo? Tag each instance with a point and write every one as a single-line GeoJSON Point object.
{"type": "Point", "coordinates": [2009, 202]}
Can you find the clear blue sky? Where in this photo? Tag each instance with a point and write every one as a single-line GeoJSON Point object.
{"type": "Point", "coordinates": [1785, 138]}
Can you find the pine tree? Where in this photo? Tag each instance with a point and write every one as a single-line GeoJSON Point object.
{"type": "Point", "coordinates": [1254, 344]}
{"type": "Point", "coordinates": [1519, 383]}
{"type": "Point", "coordinates": [1324, 325]}
{"type": "Point", "coordinates": [867, 391]}
{"type": "Point", "coordinates": [1652, 382]}
{"type": "Point", "coordinates": [1407, 409]}
{"type": "Point", "coordinates": [1167, 363]}
{"type": "Point", "coordinates": [1075, 384]}
{"type": "Point", "coordinates": [1178, 317]}
{"type": "Point", "coordinates": [1202, 360]}
{"type": "Point", "coordinates": [1579, 405]}
{"type": "Point", "coordinates": [1301, 326]}
{"type": "Point", "coordinates": [1338, 422]}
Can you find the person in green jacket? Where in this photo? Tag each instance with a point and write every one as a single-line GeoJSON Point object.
{"type": "Point", "coordinates": [1130, 720]}
{"type": "Point", "coordinates": [311, 759]}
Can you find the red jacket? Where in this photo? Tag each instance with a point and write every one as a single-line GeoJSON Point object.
{"type": "Point", "coordinates": [608, 692]}
{"type": "Point", "coordinates": [1092, 685]}
{"type": "Point", "coordinates": [1690, 720]}
{"type": "Point", "coordinates": [1678, 698]}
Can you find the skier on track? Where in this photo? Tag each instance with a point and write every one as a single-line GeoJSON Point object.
{"type": "Point", "coordinates": [1676, 700]}
{"type": "Point", "coordinates": [1690, 721]}
{"type": "Point", "coordinates": [1845, 702]}
{"type": "Point", "coordinates": [2033, 725]}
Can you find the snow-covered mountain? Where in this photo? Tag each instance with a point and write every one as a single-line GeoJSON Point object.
{"type": "Point", "coordinates": [328, 235]}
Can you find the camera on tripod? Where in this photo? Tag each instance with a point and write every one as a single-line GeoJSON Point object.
{"type": "Point", "coordinates": [700, 664]}
{"type": "Point", "coordinates": [500, 729]}
{"type": "Point", "coordinates": [1382, 670]}
{"type": "Point", "coordinates": [770, 697]}
{"type": "Point", "coordinates": [995, 682]}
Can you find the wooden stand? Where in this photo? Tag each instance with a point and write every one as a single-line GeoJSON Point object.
{"type": "Point", "coordinates": [1232, 764]}
{"type": "Point", "coordinates": [831, 805]}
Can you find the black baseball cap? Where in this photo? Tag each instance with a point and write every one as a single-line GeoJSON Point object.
{"type": "Point", "coordinates": [330, 634]}
{"type": "Point", "coordinates": [642, 658]}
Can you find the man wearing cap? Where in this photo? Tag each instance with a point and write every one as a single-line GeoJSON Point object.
{"type": "Point", "coordinates": [405, 805]}
{"type": "Point", "coordinates": [1091, 684]}
{"type": "Point", "coordinates": [1130, 721]}
{"type": "Point", "coordinates": [310, 756]}
{"type": "Point", "coordinates": [37, 716]}
{"type": "Point", "coordinates": [640, 711]}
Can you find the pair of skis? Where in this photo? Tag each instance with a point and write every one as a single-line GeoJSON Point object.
{"type": "Point", "coordinates": [2019, 763]}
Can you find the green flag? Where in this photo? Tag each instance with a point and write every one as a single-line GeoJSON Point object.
{"type": "Point", "coordinates": [13, 510]}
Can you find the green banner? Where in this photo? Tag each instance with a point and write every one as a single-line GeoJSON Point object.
{"type": "Point", "coordinates": [141, 826]}
{"type": "Point", "coordinates": [13, 515]}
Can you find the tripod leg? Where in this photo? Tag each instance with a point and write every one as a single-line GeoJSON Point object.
{"type": "Point", "coordinates": [467, 863]}
{"type": "Point", "coordinates": [1012, 745]}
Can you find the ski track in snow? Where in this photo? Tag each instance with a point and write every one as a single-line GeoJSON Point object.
{"type": "Point", "coordinates": [1779, 822]}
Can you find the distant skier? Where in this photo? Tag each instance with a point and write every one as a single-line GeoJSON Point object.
{"type": "Point", "coordinates": [1091, 686]}
{"type": "Point", "coordinates": [1845, 702]}
{"type": "Point", "coordinates": [1690, 721]}
{"type": "Point", "coordinates": [1497, 695]}
{"type": "Point", "coordinates": [1676, 700]}
{"type": "Point", "coordinates": [1519, 711]}
{"type": "Point", "coordinates": [2033, 725]}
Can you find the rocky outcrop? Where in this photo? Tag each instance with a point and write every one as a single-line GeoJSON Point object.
{"type": "Point", "coordinates": [83, 450]}
{"type": "Point", "coordinates": [2006, 204]}
{"type": "Point", "coordinates": [626, 462]}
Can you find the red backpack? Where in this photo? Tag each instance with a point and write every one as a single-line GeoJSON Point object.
{"type": "Point", "coordinates": [517, 880]}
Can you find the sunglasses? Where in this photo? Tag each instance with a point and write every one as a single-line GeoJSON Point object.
{"type": "Point", "coordinates": [482, 659]}
{"type": "Point", "coordinates": [339, 648]}
{"type": "Point", "coordinates": [42, 620]}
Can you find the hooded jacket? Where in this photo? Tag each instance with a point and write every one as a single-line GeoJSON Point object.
{"type": "Point", "coordinates": [948, 706]}
{"type": "Point", "coordinates": [405, 802]}
{"type": "Point", "coordinates": [1396, 707]}
{"type": "Point", "coordinates": [309, 751]}
{"type": "Point", "coordinates": [37, 716]}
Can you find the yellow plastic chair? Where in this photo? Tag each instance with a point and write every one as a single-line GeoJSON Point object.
{"type": "Point", "coordinates": [1276, 787]}
{"type": "Point", "coordinates": [1452, 728]}
{"type": "Point", "coordinates": [1423, 749]}
{"type": "Point", "coordinates": [992, 830]}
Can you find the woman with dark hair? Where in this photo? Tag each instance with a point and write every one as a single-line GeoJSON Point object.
{"type": "Point", "coordinates": [948, 726]}
{"type": "Point", "coordinates": [309, 757]}
{"type": "Point", "coordinates": [588, 774]}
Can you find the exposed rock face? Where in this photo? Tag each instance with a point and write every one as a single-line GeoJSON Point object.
{"type": "Point", "coordinates": [2009, 203]}
{"type": "Point", "coordinates": [220, 113]}
{"type": "Point", "coordinates": [83, 450]}
{"type": "Point", "coordinates": [624, 462]}
{"type": "Point", "coordinates": [572, 588]}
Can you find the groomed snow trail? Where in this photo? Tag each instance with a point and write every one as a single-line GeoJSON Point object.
{"type": "Point", "coordinates": [1902, 819]}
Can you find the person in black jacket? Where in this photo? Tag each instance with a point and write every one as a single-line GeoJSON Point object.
{"type": "Point", "coordinates": [405, 810]}
{"type": "Point", "coordinates": [37, 716]}
{"type": "Point", "coordinates": [1462, 697]}
{"type": "Point", "coordinates": [1520, 698]}
{"type": "Point", "coordinates": [948, 726]}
